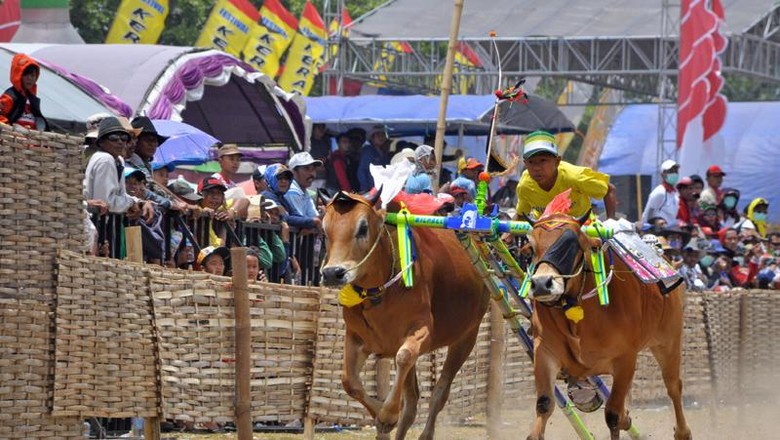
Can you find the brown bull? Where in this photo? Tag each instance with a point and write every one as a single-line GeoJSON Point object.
{"type": "Point", "coordinates": [443, 309]}
{"type": "Point", "coordinates": [608, 338]}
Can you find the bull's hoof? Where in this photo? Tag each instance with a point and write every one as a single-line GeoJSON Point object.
{"type": "Point", "coordinates": [683, 435]}
{"type": "Point", "coordinates": [382, 436]}
{"type": "Point", "coordinates": [384, 427]}
{"type": "Point", "coordinates": [533, 437]}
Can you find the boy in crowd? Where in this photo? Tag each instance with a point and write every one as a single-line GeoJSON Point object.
{"type": "Point", "coordinates": [20, 103]}
{"type": "Point", "coordinates": [212, 259]}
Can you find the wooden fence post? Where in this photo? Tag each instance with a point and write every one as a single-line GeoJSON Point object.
{"type": "Point", "coordinates": [495, 382]}
{"type": "Point", "coordinates": [243, 330]}
{"type": "Point", "coordinates": [135, 254]}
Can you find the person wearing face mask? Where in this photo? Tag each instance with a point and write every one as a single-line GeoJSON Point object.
{"type": "Point", "coordinates": [727, 208]}
{"type": "Point", "coordinates": [754, 220]}
{"type": "Point", "coordinates": [664, 200]}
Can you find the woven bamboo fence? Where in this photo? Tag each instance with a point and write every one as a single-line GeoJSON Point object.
{"type": "Point", "coordinates": [82, 336]}
{"type": "Point", "coordinates": [40, 211]}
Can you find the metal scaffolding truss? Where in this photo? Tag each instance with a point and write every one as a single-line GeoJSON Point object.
{"type": "Point", "coordinates": [628, 63]}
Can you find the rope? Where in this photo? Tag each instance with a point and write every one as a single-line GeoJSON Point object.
{"type": "Point", "coordinates": [371, 251]}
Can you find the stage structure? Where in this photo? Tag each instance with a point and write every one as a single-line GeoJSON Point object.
{"type": "Point", "coordinates": [621, 44]}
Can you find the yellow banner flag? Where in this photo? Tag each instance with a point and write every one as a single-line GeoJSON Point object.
{"type": "Point", "coordinates": [138, 22]}
{"type": "Point", "coordinates": [228, 26]}
{"type": "Point", "coordinates": [269, 39]}
{"type": "Point", "coordinates": [305, 54]}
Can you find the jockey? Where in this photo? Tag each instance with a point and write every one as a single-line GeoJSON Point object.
{"type": "Point", "coordinates": [546, 176]}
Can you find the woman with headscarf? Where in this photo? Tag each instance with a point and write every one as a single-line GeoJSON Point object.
{"type": "Point", "coordinates": [424, 162]}
{"type": "Point", "coordinates": [755, 218]}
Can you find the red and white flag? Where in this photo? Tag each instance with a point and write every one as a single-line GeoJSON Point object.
{"type": "Point", "coordinates": [701, 108]}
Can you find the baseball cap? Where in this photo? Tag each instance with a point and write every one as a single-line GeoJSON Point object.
{"type": "Point", "coordinates": [206, 252]}
{"type": "Point", "coordinates": [184, 190]}
{"type": "Point", "coordinates": [134, 172]}
{"type": "Point", "coordinates": [469, 164]}
{"type": "Point", "coordinates": [539, 142]}
{"type": "Point", "coordinates": [269, 204]}
{"type": "Point", "coordinates": [302, 159]}
{"type": "Point", "coordinates": [259, 172]}
{"type": "Point", "coordinates": [685, 181]}
{"type": "Point", "coordinates": [668, 164]}
{"type": "Point", "coordinates": [209, 183]}
{"type": "Point", "coordinates": [228, 149]}
{"type": "Point", "coordinates": [715, 170]}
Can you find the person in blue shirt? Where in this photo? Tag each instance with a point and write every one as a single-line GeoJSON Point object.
{"type": "Point", "coordinates": [279, 179]}
{"type": "Point", "coordinates": [376, 152]}
{"type": "Point", "coordinates": [304, 169]}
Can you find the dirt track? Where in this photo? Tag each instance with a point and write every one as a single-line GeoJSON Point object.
{"type": "Point", "coordinates": [751, 421]}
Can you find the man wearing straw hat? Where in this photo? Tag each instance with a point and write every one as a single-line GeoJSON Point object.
{"type": "Point", "coordinates": [104, 178]}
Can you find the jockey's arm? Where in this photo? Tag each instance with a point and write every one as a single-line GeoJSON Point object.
{"type": "Point", "coordinates": [610, 201]}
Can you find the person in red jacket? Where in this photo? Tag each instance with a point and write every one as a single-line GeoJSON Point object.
{"type": "Point", "coordinates": [20, 104]}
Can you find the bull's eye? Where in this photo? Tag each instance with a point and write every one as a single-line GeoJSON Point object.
{"type": "Point", "coordinates": [362, 230]}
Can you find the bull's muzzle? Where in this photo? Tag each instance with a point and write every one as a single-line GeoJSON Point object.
{"type": "Point", "coordinates": [545, 288]}
{"type": "Point", "coordinates": [334, 275]}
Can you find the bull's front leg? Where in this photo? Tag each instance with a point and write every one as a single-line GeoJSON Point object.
{"type": "Point", "coordinates": [354, 360]}
{"type": "Point", "coordinates": [546, 369]}
{"type": "Point", "coordinates": [405, 359]}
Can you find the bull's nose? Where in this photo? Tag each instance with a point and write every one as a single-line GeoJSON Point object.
{"type": "Point", "coordinates": [333, 274]}
{"type": "Point", "coordinates": [541, 285]}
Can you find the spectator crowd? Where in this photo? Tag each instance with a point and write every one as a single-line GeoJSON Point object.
{"type": "Point", "coordinates": [694, 222]}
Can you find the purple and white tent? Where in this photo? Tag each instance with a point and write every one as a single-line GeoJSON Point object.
{"type": "Point", "coordinates": [208, 89]}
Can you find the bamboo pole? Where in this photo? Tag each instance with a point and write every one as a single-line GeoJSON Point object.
{"type": "Point", "coordinates": [495, 381]}
{"type": "Point", "coordinates": [243, 409]}
{"type": "Point", "coordinates": [446, 88]}
{"type": "Point", "coordinates": [135, 254]}
{"type": "Point", "coordinates": [133, 244]}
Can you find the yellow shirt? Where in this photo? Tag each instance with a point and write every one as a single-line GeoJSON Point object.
{"type": "Point", "coordinates": [584, 183]}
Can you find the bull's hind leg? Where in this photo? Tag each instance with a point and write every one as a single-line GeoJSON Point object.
{"type": "Point", "coordinates": [668, 357]}
{"type": "Point", "coordinates": [457, 354]}
{"type": "Point", "coordinates": [354, 360]}
{"type": "Point", "coordinates": [615, 411]}
{"type": "Point", "coordinates": [409, 411]}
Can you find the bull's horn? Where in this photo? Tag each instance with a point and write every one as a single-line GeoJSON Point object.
{"type": "Point", "coordinates": [373, 199]}
{"type": "Point", "coordinates": [530, 218]}
{"type": "Point", "coordinates": [323, 196]}
{"type": "Point", "coordinates": [581, 220]}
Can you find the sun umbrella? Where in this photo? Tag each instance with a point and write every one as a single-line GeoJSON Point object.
{"type": "Point", "coordinates": [537, 114]}
{"type": "Point", "coordinates": [186, 145]}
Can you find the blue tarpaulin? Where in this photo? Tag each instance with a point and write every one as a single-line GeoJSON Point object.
{"type": "Point", "coordinates": [750, 157]}
{"type": "Point", "coordinates": [416, 115]}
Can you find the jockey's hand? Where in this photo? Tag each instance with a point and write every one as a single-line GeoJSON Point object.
{"type": "Point", "coordinates": [318, 223]}
{"type": "Point", "coordinates": [507, 238]}
{"type": "Point", "coordinates": [207, 212]}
